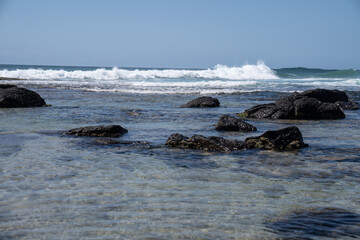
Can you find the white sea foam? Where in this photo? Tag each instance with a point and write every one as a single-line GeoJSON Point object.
{"type": "Point", "coordinates": [259, 71]}
{"type": "Point", "coordinates": [220, 79]}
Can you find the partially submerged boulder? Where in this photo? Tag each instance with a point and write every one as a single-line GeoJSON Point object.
{"type": "Point", "coordinates": [98, 131]}
{"type": "Point", "coordinates": [289, 138]}
{"type": "Point", "coordinates": [311, 104]}
{"type": "Point", "coordinates": [230, 123]}
{"type": "Point", "coordinates": [200, 142]}
{"type": "Point", "coordinates": [12, 96]}
{"type": "Point", "coordinates": [203, 102]}
{"type": "Point", "coordinates": [334, 223]}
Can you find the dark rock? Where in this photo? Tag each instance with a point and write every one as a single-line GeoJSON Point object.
{"type": "Point", "coordinates": [14, 97]}
{"type": "Point", "coordinates": [312, 104]}
{"type": "Point", "coordinates": [98, 131]}
{"type": "Point", "coordinates": [289, 138]}
{"type": "Point", "coordinates": [5, 86]}
{"type": "Point", "coordinates": [203, 102]}
{"type": "Point", "coordinates": [325, 95]}
{"type": "Point", "coordinates": [314, 223]}
{"type": "Point", "coordinates": [200, 142]}
{"type": "Point", "coordinates": [229, 123]}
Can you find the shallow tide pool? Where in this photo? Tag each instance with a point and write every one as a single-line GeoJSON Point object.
{"type": "Point", "coordinates": [54, 186]}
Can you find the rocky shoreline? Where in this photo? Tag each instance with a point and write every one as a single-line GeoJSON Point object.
{"type": "Point", "coordinates": [311, 104]}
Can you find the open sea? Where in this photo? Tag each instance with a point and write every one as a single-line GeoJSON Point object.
{"type": "Point", "coordinates": [54, 186]}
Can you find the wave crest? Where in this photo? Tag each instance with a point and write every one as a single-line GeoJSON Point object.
{"type": "Point", "coordinates": [246, 72]}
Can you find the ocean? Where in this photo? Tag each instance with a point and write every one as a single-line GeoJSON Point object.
{"type": "Point", "coordinates": [55, 186]}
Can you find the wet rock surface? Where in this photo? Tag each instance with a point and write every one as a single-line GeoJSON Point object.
{"type": "Point", "coordinates": [289, 138]}
{"type": "Point", "coordinates": [230, 123]}
{"type": "Point", "coordinates": [98, 131]}
{"type": "Point", "coordinates": [311, 104]}
{"type": "Point", "coordinates": [313, 223]}
{"type": "Point", "coordinates": [200, 142]}
{"type": "Point", "coordinates": [284, 139]}
{"type": "Point", "coordinates": [12, 96]}
{"type": "Point", "coordinates": [203, 102]}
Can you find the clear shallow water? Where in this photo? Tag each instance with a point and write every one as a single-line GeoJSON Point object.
{"type": "Point", "coordinates": [59, 187]}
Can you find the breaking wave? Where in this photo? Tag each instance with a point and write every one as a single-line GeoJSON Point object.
{"type": "Point", "coordinates": [218, 80]}
{"type": "Point", "coordinates": [246, 72]}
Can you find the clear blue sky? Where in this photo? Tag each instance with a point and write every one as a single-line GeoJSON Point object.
{"type": "Point", "coordinates": [183, 33]}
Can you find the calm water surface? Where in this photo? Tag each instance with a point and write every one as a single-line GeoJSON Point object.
{"type": "Point", "coordinates": [54, 186]}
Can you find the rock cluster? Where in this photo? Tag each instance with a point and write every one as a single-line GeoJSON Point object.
{"type": "Point", "coordinates": [311, 104]}
{"type": "Point", "coordinates": [289, 138]}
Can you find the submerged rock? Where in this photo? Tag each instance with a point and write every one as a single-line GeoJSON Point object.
{"type": "Point", "coordinates": [348, 105]}
{"type": "Point", "coordinates": [98, 131]}
{"type": "Point", "coordinates": [106, 141]}
{"type": "Point", "coordinates": [10, 78]}
{"type": "Point", "coordinates": [289, 138]}
{"type": "Point", "coordinates": [313, 223]}
{"type": "Point", "coordinates": [13, 97]}
{"type": "Point", "coordinates": [109, 141]}
{"type": "Point", "coordinates": [284, 139]}
{"type": "Point", "coordinates": [203, 102]}
{"type": "Point", "coordinates": [200, 142]}
{"type": "Point", "coordinates": [230, 123]}
{"type": "Point", "coordinates": [311, 104]}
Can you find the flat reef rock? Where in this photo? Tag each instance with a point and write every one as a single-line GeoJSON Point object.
{"type": "Point", "coordinates": [287, 139]}
{"type": "Point", "coordinates": [230, 123]}
{"type": "Point", "coordinates": [12, 96]}
{"type": "Point", "coordinates": [98, 131]}
{"type": "Point", "coordinates": [311, 104]}
{"type": "Point", "coordinates": [203, 102]}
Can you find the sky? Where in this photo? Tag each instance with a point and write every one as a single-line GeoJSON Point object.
{"type": "Point", "coordinates": [181, 34]}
